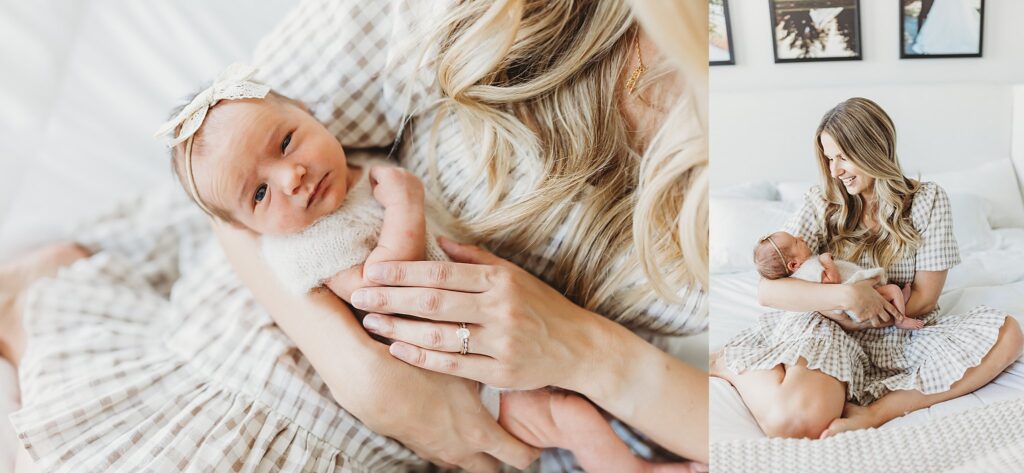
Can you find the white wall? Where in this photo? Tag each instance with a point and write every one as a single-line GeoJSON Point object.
{"type": "Point", "coordinates": [949, 113]}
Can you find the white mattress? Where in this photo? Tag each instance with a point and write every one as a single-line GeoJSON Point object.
{"type": "Point", "coordinates": [994, 278]}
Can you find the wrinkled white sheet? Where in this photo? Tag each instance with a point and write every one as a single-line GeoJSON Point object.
{"type": "Point", "coordinates": [994, 278]}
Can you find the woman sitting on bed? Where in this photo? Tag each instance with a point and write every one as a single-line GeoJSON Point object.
{"type": "Point", "coordinates": [796, 371]}
{"type": "Point", "coordinates": [576, 151]}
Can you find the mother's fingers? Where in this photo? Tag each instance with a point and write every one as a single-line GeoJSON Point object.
{"type": "Point", "coordinates": [476, 367]}
{"type": "Point", "coordinates": [428, 335]}
{"type": "Point", "coordinates": [438, 274]}
{"type": "Point", "coordinates": [428, 303]}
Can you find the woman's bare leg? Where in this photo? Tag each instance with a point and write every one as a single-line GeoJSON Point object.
{"type": "Point", "coordinates": [1007, 348]}
{"type": "Point", "coordinates": [15, 277]}
{"type": "Point", "coordinates": [788, 401]}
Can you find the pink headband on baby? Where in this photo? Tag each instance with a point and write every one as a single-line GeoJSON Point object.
{"type": "Point", "coordinates": [232, 84]}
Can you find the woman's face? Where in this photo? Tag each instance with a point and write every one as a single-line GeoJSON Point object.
{"type": "Point", "coordinates": [840, 167]}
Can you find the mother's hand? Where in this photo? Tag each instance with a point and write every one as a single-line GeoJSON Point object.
{"type": "Point", "coordinates": [523, 333]}
{"type": "Point", "coordinates": [871, 308]}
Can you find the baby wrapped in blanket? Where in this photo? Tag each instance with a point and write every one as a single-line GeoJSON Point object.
{"type": "Point", "coordinates": [267, 165]}
{"type": "Point", "coordinates": [780, 255]}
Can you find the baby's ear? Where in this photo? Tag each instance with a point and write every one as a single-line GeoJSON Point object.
{"type": "Point", "coordinates": [792, 265]}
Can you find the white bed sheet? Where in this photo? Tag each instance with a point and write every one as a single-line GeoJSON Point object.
{"type": "Point", "coordinates": [994, 278]}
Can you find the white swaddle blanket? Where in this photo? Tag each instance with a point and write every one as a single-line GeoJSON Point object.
{"type": "Point", "coordinates": [303, 261]}
{"type": "Point", "coordinates": [849, 273]}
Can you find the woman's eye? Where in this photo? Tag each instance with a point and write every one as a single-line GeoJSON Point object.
{"type": "Point", "coordinates": [261, 192]}
{"type": "Point", "coordinates": [284, 144]}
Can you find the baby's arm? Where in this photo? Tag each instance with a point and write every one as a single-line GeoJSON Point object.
{"type": "Point", "coordinates": [895, 295]}
{"type": "Point", "coordinates": [403, 231]}
{"type": "Point", "coordinates": [830, 272]}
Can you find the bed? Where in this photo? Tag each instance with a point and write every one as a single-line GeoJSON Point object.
{"type": "Point", "coordinates": [992, 273]}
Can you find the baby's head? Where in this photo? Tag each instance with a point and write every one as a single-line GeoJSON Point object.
{"type": "Point", "coordinates": [263, 163]}
{"type": "Point", "coordinates": [779, 254]}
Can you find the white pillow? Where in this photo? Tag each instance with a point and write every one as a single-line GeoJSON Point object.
{"type": "Point", "coordinates": [736, 224]}
{"type": "Point", "coordinates": [994, 181]}
{"type": "Point", "coordinates": [759, 190]}
{"type": "Point", "coordinates": [794, 191]}
{"type": "Point", "coordinates": [970, 222]}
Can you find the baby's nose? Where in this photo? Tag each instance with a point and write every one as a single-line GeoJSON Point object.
{"type": "Point", "coordinates": [291, 179]}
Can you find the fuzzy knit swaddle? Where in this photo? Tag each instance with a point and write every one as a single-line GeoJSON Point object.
{"type": "Point", "coordinates": [305, 260]}
{"type": "Point", "coordinates": [849, 273]}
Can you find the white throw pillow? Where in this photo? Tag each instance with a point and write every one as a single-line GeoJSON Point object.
{"type": "Point", "coordinates": [736, 224]}
{"type": "Point", "coordinates": [970, 222]}
{"type": "Point", "coordinates": [794, 191]}
{"type": "Point", "coordinates": [759, 190]}
{"type": "Point", "coordinates": [996, 182]}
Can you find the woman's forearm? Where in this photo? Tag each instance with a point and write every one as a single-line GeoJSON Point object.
{"type": "Point", "coordinates": [319, 323]}
{"type": "Point", "coordinates": [657, 394]}
{"type": "Point", "coordinates": [802, 296]}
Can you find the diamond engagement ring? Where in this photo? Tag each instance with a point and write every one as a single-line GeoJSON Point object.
{"type": "Point", "coordinates": [463, 333]}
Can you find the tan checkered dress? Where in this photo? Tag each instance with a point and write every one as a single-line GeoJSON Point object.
{"type": "Point", "coordinates": [875, 361]}
{"type": "Point", "coordinates": [151, 356]}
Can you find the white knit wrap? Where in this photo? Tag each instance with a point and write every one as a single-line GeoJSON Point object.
{"type": "Point", "coordinates": [849, 273]}
{"type": "Point", "coordinates": [339, 241]}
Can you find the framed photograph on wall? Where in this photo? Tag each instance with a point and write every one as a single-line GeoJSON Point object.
{"type": "Point", "coordinates": [815, 30]}
{"type": "Point", "coordinates": [719, 33]}
{"type": "Point", "coordinates": [941, 28]}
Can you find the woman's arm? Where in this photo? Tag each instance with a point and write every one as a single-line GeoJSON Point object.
{"type": "Point", "coordinates": [451, 427]}
{"type": "Point", "coordinates": [804, 296]}
{"type": "Point", "coordinates": [925, 291]}
{"type": "Point", "coordinates": [526, 335]}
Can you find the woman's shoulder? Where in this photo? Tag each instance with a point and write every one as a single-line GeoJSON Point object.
{"type": "Point", "coordinates": [928, 196]}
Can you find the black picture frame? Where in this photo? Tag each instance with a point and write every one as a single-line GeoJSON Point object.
{"type": "Point", "coordinates": [853, 34]}
{"type": "Point", "coordinates": [727, 23]}
{"type": "Point", "coordinates": [904, 44]}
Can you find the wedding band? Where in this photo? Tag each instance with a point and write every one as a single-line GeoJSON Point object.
{"type": "Point", "coordinates": [463, 333]}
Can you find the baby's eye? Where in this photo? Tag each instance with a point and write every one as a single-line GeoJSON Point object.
{"type": "Point", "coordinates": [284, 144]}
{"type": "Point", "coordinates": [261, 192]}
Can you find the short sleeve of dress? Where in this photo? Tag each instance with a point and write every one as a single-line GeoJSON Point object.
{"type": "Point", "coordinates": [933, 217]}
{"type": "Point", "coordinates": [337, 57]}
{"type": "Point", "coordinates": [806, 222]}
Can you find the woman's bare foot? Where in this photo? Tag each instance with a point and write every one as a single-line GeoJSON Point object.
{"type": "Point", "coordinates": [854, 417]}
{"type": "Point", "coordinates": [15, 277]}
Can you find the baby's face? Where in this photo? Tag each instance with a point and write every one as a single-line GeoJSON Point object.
{"type": "Point", "coordinates": [796, 248]}
{"type": "Point", "coordinates": [270, 165]}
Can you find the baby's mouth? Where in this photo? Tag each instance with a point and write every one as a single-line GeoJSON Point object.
{"type": "Point", "coordinates": [321, 186]}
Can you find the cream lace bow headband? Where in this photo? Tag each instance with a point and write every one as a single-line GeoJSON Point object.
{"type": "Point", "coordinates": [232, 84]}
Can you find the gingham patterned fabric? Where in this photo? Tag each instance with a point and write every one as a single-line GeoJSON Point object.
{"type": "Point", "coordinates": [876, 361]}
{"type": "Point", "coordinates": [151, 356]}
{"type": "Point", "coordinates": [986, 439]}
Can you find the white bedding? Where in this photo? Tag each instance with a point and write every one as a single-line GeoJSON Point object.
{"type": "Point", "coordinates": [994, 277]}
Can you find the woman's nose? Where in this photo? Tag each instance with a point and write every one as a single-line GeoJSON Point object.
{"type": "Point", "coordinates": [290, 178]}
{"type": "Point", "coordinates": [834, 169]}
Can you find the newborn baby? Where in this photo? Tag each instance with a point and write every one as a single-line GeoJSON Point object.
{"type": "Point", "coordinates": [261, 161]}
{"type": "Point", "coordinates": [780, 255]}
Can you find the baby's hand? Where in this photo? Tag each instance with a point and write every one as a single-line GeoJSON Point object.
{"type": "Point", "coordinates": [395, 186]}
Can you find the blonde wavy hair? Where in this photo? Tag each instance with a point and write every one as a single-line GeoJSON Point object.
{"type": "Point", "coordinates": [536, 85]}
{"type": "Point", "coordinates": [867, 137]}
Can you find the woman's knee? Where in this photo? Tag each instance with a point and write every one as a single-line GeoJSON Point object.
{"type": "Point", "coordinates": [800, 417]}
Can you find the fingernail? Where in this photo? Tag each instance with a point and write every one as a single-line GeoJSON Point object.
{"type": "Point", "coordinates": [401, 351]}
{"type": "Point", "coordinates": [360, 298]}
{"type": "Point", "coordinates": [375, 272]}
{"type": "Point", "coordinates": [372, 323]}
